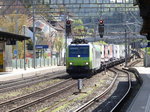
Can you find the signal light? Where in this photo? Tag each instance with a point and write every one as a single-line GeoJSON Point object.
{"type": "Point", "coordinates": [101, 21]}
{"type": "Point", "coordinates": [101, 28]}
{"type": "Point", "coordinates": [68, 22]}
{"type": "Point", "coordinates": [68, 27]}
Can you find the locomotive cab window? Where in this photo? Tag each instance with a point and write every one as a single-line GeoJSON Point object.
{"type": "Point", "coordinates": [83, 51]}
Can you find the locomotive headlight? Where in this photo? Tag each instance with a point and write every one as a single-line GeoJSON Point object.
{"type": "Point", "coordinates": [70, 63]}
{"type": "Point", "coordinates": [86, 63]}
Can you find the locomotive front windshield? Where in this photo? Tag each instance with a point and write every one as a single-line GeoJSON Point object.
{"type": "Point", "coordinates": [82, 51]}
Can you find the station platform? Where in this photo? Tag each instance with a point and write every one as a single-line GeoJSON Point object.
{"type": "Point", "coordinates": [141, 102]}
{"type": "Point", "coordinates": [21, 73]}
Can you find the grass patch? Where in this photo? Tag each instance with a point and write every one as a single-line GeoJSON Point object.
{"type": "Point", "coordinates": [27, 89]}
{"type": "Point", "coordinates": [67, 104]}
{"type": "Point", "coordinates": [12, 94]}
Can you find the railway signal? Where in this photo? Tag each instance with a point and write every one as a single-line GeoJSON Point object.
{"type": "Point", "coordinates": [68, 27]}
{"type": "Point", "coordinates": [148, 36]}
{"type": "Point", "coordinates": [101, 28]}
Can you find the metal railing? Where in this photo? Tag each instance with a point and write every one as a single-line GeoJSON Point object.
{"type": "Point", "coordinates": [40, 62]}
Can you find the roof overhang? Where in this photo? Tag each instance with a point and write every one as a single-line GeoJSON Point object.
{"type": "Point", "coordinates": [4, 36]}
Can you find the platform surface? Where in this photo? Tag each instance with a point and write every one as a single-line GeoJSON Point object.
{"type": "Point", "coordinates": [21, 73]}
{"type": "Point", "coordinates": [141, 102]}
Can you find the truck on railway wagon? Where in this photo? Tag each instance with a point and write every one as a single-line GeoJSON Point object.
{"type": "Point", "coordinates": [83, 59]}
{"type": "Point", "coordinates": [112, 51]}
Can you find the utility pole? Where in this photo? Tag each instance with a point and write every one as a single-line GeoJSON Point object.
{"type": "Point", "coordinates": [125, 36]}
{"type": "Point", "coordinates": [24, 30]}
{"type": "Point", "coordinates": [34, 43]}
{"type": "Point", "coordinates": [146, 55]}
{"type": "Point", "coordinates": [65, 52]}
{"type": "Point", "coordinates": [16, 27]}
{"type": "Point", "coordinates": [126, 48]}
{"type": "Point", "coordinates": [51, 47]}
{"type": "Point", "coordinates": [95, 27]}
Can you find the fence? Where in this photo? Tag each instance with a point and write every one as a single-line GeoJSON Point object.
{"type": "Point", "coordinates": [40, 62]}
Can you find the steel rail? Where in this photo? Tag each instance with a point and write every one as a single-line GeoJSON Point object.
{"type": "Point", "coordinates": [26, 105]}
{"type": "Point", "coordinates": [134, 63]}
{"type": "Point", "coordinates": [23, 83]}
{"type": "Point", "coordinates": [30, 77]}
{"type": "Point", "coordinates": [118, 106]}
{"type": "Point", "coordinates": [33, 93]}
{"type": "Point", "coordinates": [92, 101]}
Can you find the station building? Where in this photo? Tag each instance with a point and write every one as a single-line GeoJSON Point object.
{"type": "Point", "coordinates": [6, 42]}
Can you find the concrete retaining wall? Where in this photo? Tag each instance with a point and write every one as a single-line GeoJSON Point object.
{"type": "Point", "coordinates": [147, 61]}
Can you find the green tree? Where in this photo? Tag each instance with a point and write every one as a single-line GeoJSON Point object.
{"type": "Point", "coordinates": [78, 28]}
{"type": "Point", "coordinates": [101, 42]}
{"type": "Point", "coordinates": [9, 23]}
{"type": "Point", "coordinates": [59, 45]}
{"type": "Point", "coordinates": [91, 31]}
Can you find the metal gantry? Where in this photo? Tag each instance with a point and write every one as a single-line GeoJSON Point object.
{"type": "Point", "coordinates": [76, 9]}
{"type": "Point", "coordinates": [77, 6]}
{"type": "Point", "coordinates": [84, 9]}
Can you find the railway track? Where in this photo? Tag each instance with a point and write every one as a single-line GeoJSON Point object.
{"type": "Point", "coordinates": [95, 99]}
{"type": "Point", "coordinates": [33, 98]}
{"type": "Point", "coordinates": [114, 104]}
{"type": "Point", "coordinates": [30, 78]}
{"type": "Point", "coordinates": [16, 84]}
{"type": "Point", "coordinates": [35, 101]}
{"type": "Point", "coordinates": [121, 102]}
{"type": "Point", "coordinates": [134, 63]}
